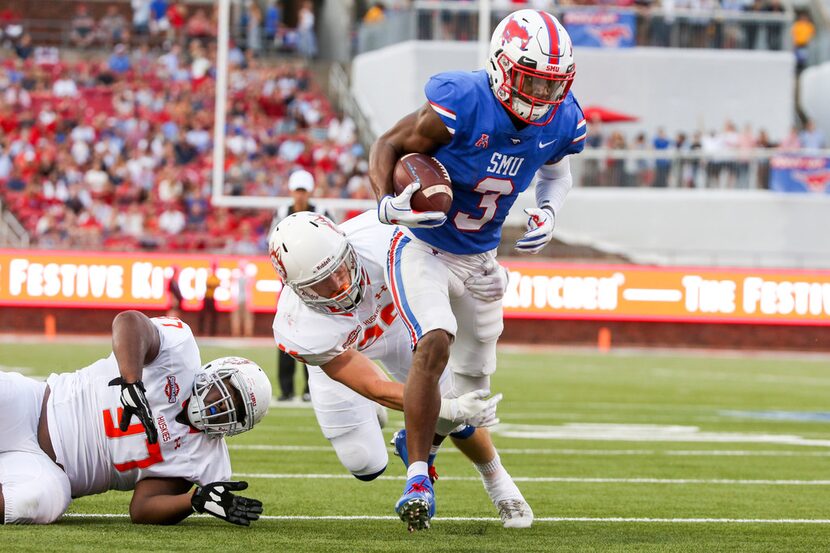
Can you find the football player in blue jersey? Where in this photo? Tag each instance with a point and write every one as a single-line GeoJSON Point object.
{"type": "Point", "coordinates": [494, 131]}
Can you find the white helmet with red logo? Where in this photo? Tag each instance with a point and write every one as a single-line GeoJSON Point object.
{"type": "Point", "coordinates": [308, 251]}
{"type": "Point", "coordinates": [216, 410]}
{"type": "Point", "coordinates": [531, 65]}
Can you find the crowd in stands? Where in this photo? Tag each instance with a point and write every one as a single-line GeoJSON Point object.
{"type": "Point", "coordinates": [676, 23]}
{"type": "Point", "coordinates": [255, 25]}
{"type": "Point", "coordinates": [116, 152]}
{"type": "Point", "coordinates": [723, 159]}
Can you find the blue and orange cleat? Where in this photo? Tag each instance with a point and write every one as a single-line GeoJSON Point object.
{"type": "Point", "coordinates": [416, 507]}
{"type": "Point", "coordinates": [399, 442]}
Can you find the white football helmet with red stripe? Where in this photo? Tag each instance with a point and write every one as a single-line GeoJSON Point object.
{"type": "Point", "coordinates": [531, 65]}
{"type": "Point", "coordinates": [314, 258]}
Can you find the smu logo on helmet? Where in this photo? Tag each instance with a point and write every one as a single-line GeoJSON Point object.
{"type": "Point", "coordinates": [514, 31]}
{"type": "Point", "coordinates": [612, 35]}
{"type": "Point", "coordinates": [171, 389]}
{"type": "Point", "coordinates": [815, 182]}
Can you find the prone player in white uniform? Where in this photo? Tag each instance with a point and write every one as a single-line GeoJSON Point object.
{"type": "Point", "coordinates": [71, 436]}
{"type": "Point", "coordinates": [337, 315]}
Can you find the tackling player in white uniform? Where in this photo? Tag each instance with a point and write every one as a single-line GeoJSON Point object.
{"type": "Point", "coordinates": [71, 436]}
{"type": "Point", "coordinates": [337, 315]}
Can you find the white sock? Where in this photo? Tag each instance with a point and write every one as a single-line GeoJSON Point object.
{"type": "Point", "coordinates": [433, 449]}
{"type": "Point", "coordinates": [417, 468]}
{"type": "Point", "coordinates": [497, 482]}
{"type": "Point", "coordinates": [492, 470]}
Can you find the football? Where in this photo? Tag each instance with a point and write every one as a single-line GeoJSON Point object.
{"type": "Point", "coordinates": [435, 193]}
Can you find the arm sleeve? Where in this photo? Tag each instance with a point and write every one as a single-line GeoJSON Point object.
{"type": "Point", "coordinates": [553, 182]}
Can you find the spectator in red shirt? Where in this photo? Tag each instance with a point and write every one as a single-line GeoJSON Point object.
{"type": "Point", "coordinates": [176, 14]}
{"type": "Point", "coordinates": [198, 26]}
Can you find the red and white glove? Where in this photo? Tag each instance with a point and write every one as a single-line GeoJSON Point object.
{"type": "Point", "coordinates": [396, 210]}
{"type": "Point", "coordinates": [539, 230]}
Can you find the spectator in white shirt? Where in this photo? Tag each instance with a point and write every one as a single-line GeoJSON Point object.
{"type": "Point", "coordinates": [65, 87]}
{"type": "Point", "coordinates": [812, 137]}
{"type": "Point", "coordinates": [172, 220]}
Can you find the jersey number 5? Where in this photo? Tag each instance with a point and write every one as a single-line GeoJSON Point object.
{"type": "Point", "coordinates": [112, 431]}
{"type": "Point", "coordinates": [491, 189]}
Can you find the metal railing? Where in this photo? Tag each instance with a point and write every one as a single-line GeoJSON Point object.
{"type": "Point", "coordinates": [340, 92]}
{"type": "Point", "coordinates": [58, 32]}
{"type": "Point", "coordinates": [656, 26]}
{"type": "Point", "coordinates": [12, 232]}
{"type": "Point", "coordinates": [743, 169]}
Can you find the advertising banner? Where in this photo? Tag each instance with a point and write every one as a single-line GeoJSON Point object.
{"type": "Point", "coordinates": [131, 280]}
{"type": "Point", "coordinates": [637, 293]}
{"type": "Point", "coordinates": [601, 29]}
{"type": "Point", "coordinates": [536, 290]}
{"type": "Point", "coordinates": [792, 173]}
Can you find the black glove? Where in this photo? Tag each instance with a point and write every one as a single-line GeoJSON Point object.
{"type": "Point", "coordinates": [135, 403]}
{"type": "Point", "coordinates": [216, 499]}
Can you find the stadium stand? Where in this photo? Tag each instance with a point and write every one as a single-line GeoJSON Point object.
{"type": "Point", "coordinates": [106, 113]}
{"type": "Point", "coordinates": [114, 152]}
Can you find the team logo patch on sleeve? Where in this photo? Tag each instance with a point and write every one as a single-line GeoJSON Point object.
{"type": "Point", "coordinates": [350, 341]}
{"type": "Point", "coordinates": [171, 389]}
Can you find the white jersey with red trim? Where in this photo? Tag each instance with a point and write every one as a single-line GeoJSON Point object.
{"type": "Point", "coordinates": [83, 413]}
{"type": "Point", "coordinates": [316, 338]}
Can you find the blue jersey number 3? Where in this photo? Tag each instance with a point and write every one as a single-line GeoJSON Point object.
{"type": "Point", "coordinates": [491, 189]}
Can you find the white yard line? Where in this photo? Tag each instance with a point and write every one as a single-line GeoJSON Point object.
{"type": "Point", "coordinates": [575, 452]}
{"type": "Point", "coordinates": [537, 519]}
{"type": "Point", "coordinates": [565, 479]}
{"type": "Point", "coordinates": [504, 347]}
{"type": "Point", "coordinates": [25, 371]}
{"type": "Point", "coordinates": [651, 351]}
{"type": "Point", "coordinates": [668, 433]}
{"type": "Point", "coordinates": [21, 370]}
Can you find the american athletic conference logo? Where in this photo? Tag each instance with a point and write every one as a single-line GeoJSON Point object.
{"type": "Point", "coordinates": [171, 389]}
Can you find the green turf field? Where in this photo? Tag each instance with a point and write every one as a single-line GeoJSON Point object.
{"type": "Point", "coordinates": [618, 452]}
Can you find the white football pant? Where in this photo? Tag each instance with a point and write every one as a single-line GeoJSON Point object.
{"type": "Point", "coordinates": [34, 488]}
{"type": "Point", "coordinates": [348, 420]}
{"type": "Point", "coordinates": [428, 288]}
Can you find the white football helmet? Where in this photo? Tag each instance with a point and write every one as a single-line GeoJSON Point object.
{"type": "Point", "coordinates": [531, 65]}
{"type": "Point", "coordinates": [313, 257]}
{"type": "Point", "coordinates": [220, 414]}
